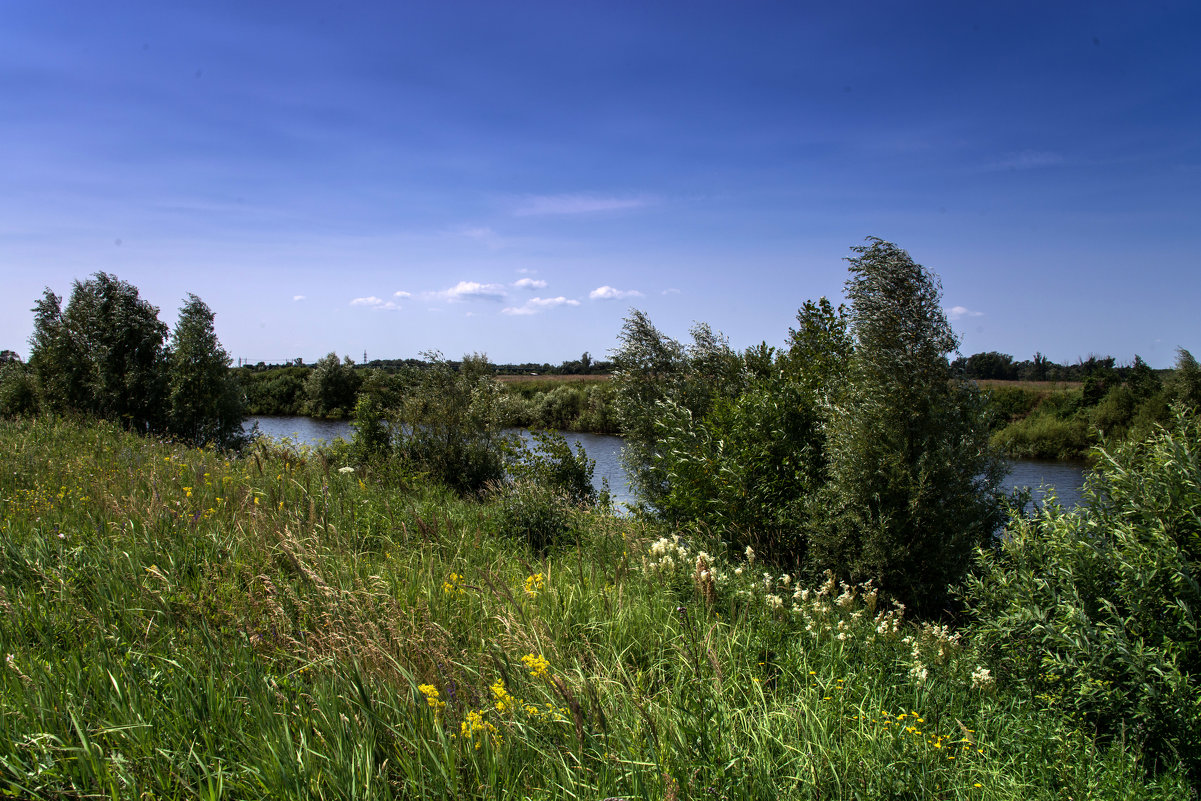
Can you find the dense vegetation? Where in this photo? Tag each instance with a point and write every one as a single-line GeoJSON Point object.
{"type": "Point", "coordinates": [179, 623]}
{"type": "Point", "coordinates": [1110, 403]}
{"type": "Point", "coordinates": [854, 450]}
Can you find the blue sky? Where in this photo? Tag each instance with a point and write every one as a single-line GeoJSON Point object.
{"type": "Point", "coordinates": [511, 178]}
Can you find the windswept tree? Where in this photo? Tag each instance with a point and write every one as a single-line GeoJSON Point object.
{"type": "Point", "coordinates": [913, 480]}
{"type": "Point", "coordinates": [103, 355]}
{"type": "Point", "coordinates": [204, 402]}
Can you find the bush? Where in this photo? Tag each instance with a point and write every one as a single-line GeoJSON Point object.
{"type": "Point", "coordinates": [552, 464]}
{"type": "Point", "coordinates": [1095, 612]}
{"type": "Point", "coordinates": [536, 513]}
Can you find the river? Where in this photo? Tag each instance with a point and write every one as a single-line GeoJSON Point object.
{"type": "Point", "coordinates": [1065, 479]}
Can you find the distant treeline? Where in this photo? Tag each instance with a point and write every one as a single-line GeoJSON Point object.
{"type": "Point", "coordinates": [332, 386]}
{"type": "Point", "coordinates": [994, 366]}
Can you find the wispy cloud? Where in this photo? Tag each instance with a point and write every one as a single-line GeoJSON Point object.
{"type": "Point", "coordinates": [470, 290]}
{"type": "Point", "coordinates": [671, 290]}
{"type": "Point", "coordinates": [612, 293]}
{"type": "Point", "coordinates": [373, 302]}
{"type": "Point", "coordinates": [400, 293]}
{"type": "Point", "coordinates": [575, 204]}
{"type": "Point", "coordinates": [1026, 160]}
{"type": "Point", "coordinates": [959, 312]}
{"type": "Point", "coordinates": [535, 305]}
{"type": "Point", "coordinates": [298, 297]}
{"type": "Point", "coordinates": [529, 283]}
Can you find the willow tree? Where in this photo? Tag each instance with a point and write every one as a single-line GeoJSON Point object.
{"type": "Point", "coordinates": [912, 479]}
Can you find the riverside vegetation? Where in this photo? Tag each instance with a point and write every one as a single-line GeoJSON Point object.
{"type": "Point", "coordinates": [811, 602]}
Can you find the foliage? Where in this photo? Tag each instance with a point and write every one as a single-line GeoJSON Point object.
{"type": "Point", "coordinates": [448, 424]}
{"type": "Point", "coordinates": [651, 369]}
{"type": "Point", "coordinates": [103, 355]}
{"type": "Point", "coordinates": [1094, 613]}
{"type": "Point", "coordinates": [913, 481]}
{"type": "Point", "coordinates": [204, 401]}
{"type": "Point", "coordinates": [537, 514]}
{"type": "Point", "coordinates": [552, 463]}
{"type": "Point", "coordinates": [331, 387]}
{"type": "Point", "coordinates": [18, 391]}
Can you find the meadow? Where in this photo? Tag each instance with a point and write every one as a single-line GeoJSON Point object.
{"type": "Point", "coordinates": [180, 623]}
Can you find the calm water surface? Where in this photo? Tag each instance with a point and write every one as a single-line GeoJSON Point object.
{"type": "Point", "coordinates": [1063, 479]}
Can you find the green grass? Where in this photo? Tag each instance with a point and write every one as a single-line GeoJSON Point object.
{"type": "Point", "coordinates": [178, 624]}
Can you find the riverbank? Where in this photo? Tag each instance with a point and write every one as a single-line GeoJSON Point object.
{"type": "Point", "coordinates": [275, 627]}
{"type": "Point", "coordinates": [1063, 479]}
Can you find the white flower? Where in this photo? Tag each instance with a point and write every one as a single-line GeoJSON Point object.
{"type": "Point", "coordinates": [774, 601]}
{"type": "Point", "coordinates": [738, 571]}
{"type": "Point", "coordinates": [982, 679]}
{"type": "Point", "coordinates": [347, 469]}
{"type": "Point", "coordinates": [750, 555]}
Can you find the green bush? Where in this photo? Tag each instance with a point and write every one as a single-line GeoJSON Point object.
{"type": "Point", "coordinates": [552, 464]}
{"type": "Point", "coordinates": [1044, 436]}
{"type": "Point", "coordinates": [1095, 612]}
{"type": "Point", "coordinates": [535, 513]}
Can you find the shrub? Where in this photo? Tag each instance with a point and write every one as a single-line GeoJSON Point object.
{"type": "Point", "coordinates": [1095, 612]}
{"type": "Point", "coordinates": [536, 513]}
{"type": "Point", "coordinates": [552, 464]}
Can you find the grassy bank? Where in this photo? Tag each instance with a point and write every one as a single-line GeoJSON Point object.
{"type": "Point", "coordinates": [179, 623]}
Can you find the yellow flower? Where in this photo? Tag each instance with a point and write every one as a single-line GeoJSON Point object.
{"type": "Point", "coordinates": [537, 665]}
{"type": "Point", "coordinates": [504, 701]}
{"type": "Point", "coordinates": [533, 584]}
{"type": "Point", "coordinates": [452, 584]}
{"type": "Point", "coordinates": [432, 696]}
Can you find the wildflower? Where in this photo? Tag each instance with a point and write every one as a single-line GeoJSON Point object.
{"type": "Point", "coordinates": [347, 469]}
{"type": "Point", "coordinates": [475, 724]}
{"type": "Point", "coordinates": [504, 701]}
{"type": "Point", "coordinates": [451, 584]}
{"type": "Point", "coordinates": [533, 584]}
{"type": "Point", "coordinates": [738, 571]}
{"type": "Point", "coordinates": [750, 555]}
{"type": "Point", "coordinates": [774, 601]}
{"type": "Point", "coordinates": [432, 696]}
{"type": "Point", "coordinates": [537, 665]}
{"type": "Point", "coordinates": [982, 679]}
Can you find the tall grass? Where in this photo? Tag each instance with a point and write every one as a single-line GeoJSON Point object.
{"type": "Point", "coordinates": [177, 623]}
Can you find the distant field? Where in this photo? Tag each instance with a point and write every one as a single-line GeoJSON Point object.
{"type": "Point", "coordinates": [1037, 386]}
{"type": "Point", "coordinates": [554, 379]}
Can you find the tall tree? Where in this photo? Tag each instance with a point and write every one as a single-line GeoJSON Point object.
{"type": "Point", "coordinates": [204, 402]}
{"type": "Point", "coordinates": [912, 477]}
{"type": "Point", "coordinates": [102, 355]}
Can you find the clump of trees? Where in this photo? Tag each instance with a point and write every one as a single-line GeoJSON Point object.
{"type": "Point", "coordinates": [107, 355]}
{"type": "Point", "coordinates": [854, 449]}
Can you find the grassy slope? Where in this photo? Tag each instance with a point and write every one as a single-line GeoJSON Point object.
{"type": "Point", "coordinates": [177, 624]}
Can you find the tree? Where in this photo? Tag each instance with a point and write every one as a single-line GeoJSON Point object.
{"type": "Point", "coordinates": [332, 386]}
{"type": "Point", "coordinates": [913, 481]}
{"type": "Point", "coordinates": [102, 355]}
{"type": "Point", "coordinates": [205, 404]}
{"type": "Point", "coordinates": [448, 424]}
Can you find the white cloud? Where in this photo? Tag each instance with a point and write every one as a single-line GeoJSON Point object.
{"type": "Point", "coordinates": [535, 305]}
{"type": "Point", "coordinates": [957, 312]}
{"type": "Point", "coordinates": [470, 290]}
{"type": "Point", "coordinates": [298, 297]}
{"type": "Point", "coordinates": [535, 205]}
{"type": "Point", "coordinates": [400, 293]}
{"type": "Point", "coordinates": [671, 291]}
{"type": "Point", "coordinates": [610, 293]}
{"type": "Point", "coordinates": [530, 283]}
{"type": "Point", "coordinates": [373, 302]}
